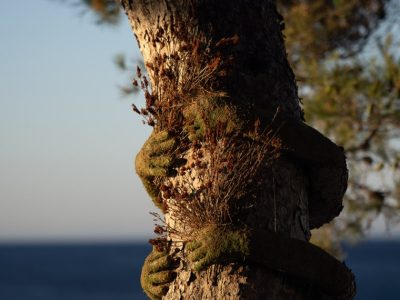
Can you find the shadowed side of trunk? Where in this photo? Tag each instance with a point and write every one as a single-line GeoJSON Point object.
{"type": "Point", "coordinates": [253, 75]}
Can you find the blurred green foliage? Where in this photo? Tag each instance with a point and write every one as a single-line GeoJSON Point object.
{"type": "Point", "coordinates": [106, 11]}
{"type": "Point", "coordinates": [351, 96]}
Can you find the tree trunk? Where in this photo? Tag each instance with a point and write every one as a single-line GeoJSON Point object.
{"type": "Point", "coordinates": [256, 79]}
{"type": "Point", "coordinates": [281, 207]}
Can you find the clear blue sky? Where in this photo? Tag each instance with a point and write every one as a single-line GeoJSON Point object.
{"type": "Point", "coordinates": [67, 136]}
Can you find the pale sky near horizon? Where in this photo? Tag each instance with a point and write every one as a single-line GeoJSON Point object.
{"type": "Point", "coordinates": [68, 137]}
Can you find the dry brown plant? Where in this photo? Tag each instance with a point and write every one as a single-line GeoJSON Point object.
{"type": "Point", "coordinates": [179, 74]}
{"type": "Point", "coordinates": [218, 182]}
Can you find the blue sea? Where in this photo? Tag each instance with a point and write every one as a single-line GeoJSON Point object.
{"type": "Point", "coordinates": [111, 271]}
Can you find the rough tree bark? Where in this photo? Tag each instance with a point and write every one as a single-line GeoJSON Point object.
{"type": "Point", "coordinates": [259, 82]}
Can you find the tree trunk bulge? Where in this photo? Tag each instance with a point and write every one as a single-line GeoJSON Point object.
{"type": "Point", "coordinates": [235, 51]}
